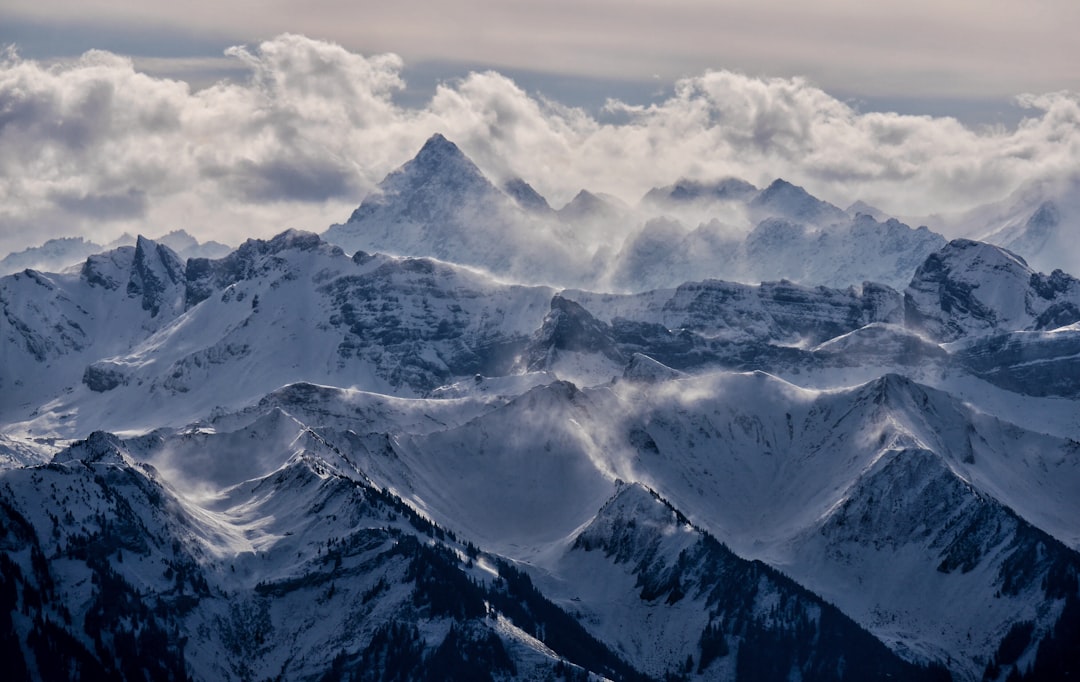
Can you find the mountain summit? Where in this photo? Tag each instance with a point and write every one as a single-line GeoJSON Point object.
{"type": "Point", "coordinates": [783, 199]}
{"type": "Point", "coordinates": [439, 176]}
{"type": "Point", "coordinates": [441, 205]}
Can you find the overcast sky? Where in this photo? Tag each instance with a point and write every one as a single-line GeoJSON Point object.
{"type": "Point", "coordinates": [169, 125]}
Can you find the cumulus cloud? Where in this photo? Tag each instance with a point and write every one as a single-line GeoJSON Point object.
{"type": "Point", "coordinates": [94, 147]}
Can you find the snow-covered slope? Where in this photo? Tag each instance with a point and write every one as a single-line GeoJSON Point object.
{"type": "Point", "coordinates": [304, 572]}
{"type": "Point", "coordinates": [294, 462]}
{"type": "Point", "coordinates": [441, 205]}
{"type": "Point", "coordinates": [54, 325]}
{"type": "Point", "coordinates": [272, 313]}
{"type": "Point", "coordinates": [777, 471]}
{"type": "Point", "coordinates": [1038, 221]}
{"type": "Point", "coordinates": [667, 593]}
{"type": "Point", "coordinates": [970, 288]}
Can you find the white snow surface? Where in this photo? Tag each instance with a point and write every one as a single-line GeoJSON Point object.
{"type": "Point", "coordinates": [262, 393]}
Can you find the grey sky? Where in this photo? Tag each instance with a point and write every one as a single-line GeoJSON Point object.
{"type": "Point", "coordinates": [886, 48]}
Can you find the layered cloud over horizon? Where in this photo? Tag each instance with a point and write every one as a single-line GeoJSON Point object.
{"type": "Point", "coordinates": [93, 147]}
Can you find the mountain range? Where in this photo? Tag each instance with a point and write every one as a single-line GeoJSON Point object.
{"type": "Point", "coordinates": [59, 254]}
{"type": "Point", "coordinates": [433, 444]}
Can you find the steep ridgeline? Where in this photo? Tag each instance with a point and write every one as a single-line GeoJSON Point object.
{"type": "Point", "coordinates": [298, 566]}
{"type": "Point", "coordinates": [724, 617]}
{"type": "Point", "coordinates": [305, 572]}
{"type": "Point", "coordinates": [902, 505]}
{"type": "Point", "coordinates": [1010, 325]}
{"type": "Point", "coordinates": [971, 308]}
{"type": "Point", "coordinates": [898, 503]}
{"type": "Point", "coordinates": [127, 346]}
{"type": "Point", "coordinates": [136, 340]}
{"type": "Point", "coordinates": [700, 324]}
{"type": "Point", "coordinates": [54, 324]}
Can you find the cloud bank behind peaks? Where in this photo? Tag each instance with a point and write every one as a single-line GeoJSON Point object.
{"type": "Point", "coordinates": [93, 147]}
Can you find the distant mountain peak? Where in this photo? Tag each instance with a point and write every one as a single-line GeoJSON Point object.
{"type": "Point", "coordinates": [439, 173]}
{"type": "Point", "coordinates": [589, 205]}
{"type": "Point", "coordinates": [438, 149]}
{"type": "Point", "coordinates": [686, 190]}
{"type": "Point", "coordinates": [861, 208]}
{"type": "Point", "coordinates": [780, 190]}
{"type": "Point", "coordinates": [438, 156]}
{"type": "Point", "coordinates": [792, 201]}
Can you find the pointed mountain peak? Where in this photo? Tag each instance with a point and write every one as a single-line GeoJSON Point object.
{"type": "Point", "coordinates": [781, 191]}
{"type": "Point", "coordinates": [156, 275]}
{"type": "Point", "coordinates": [439, 152]}
{"type": "Point", "coordinates": [1046, 216]}
{"type": "Point", "coordinates": [438, 141]}
{"type": "Point", "coordinates": [437, 157]}
{"type": "Point", "coordinates": [584, 198]}
{"type": "Point", "coordinates": [440, 175]}
{"type": "Point", "coordinates": [894, 389]}
{"type": "Point", "coordinates": [99, 447]}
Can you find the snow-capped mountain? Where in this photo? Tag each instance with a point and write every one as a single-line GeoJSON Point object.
{"type": "Point", "coordinates": [846, 252]}
{"type": "Point", "coordinates": [58, 254]}
{"type": "Point", "coordinates": [53, 255]}
{"type": "Point", "coordinates": [781, 199]}
{"type": "Point", "coordinates": [971, 288]}
{"type": "Point", "coordinates": [294, 461]}
{"type": "Point", "coordinates": [56, 325]}
{"type": "Point", "coordinates": [441, 205]}
{"type": "Point", "coordinates": [1039, 221]}
{"type": "Point", "coordinates": [223, 333]}
{"type": "Point", "coordinates": [687, 191]}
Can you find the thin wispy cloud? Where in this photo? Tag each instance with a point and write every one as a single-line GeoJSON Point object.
{"type": "Point", "coordinates": [93, 146]}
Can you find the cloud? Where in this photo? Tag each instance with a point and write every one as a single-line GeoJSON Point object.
{"type": "Point", "coordinates": [94, 147]}
{"type": "Point", "coordinates": [129, 204]}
